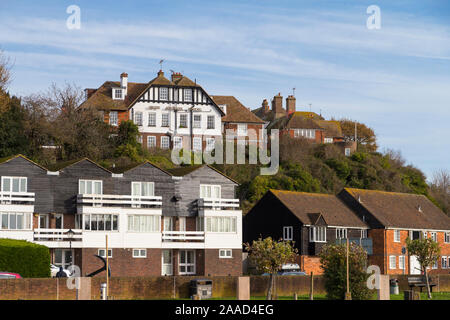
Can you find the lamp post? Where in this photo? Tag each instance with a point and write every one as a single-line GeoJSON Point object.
{"type": "Point", "coordinates": [70, 233]}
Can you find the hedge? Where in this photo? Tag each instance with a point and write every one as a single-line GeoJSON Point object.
{"type": "Point", "coordinates": [28, 259]}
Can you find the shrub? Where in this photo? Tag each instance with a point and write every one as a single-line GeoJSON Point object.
{"type": "Point", "coordinates": [333, 260]}
{"type": "Point", "coordinates": [28, 259]}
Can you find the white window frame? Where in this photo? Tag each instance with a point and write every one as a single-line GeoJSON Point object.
{"type": "Point", "coordinates": [92, 186]}
{"type": "Point", "coordinates": [210, 144]}
{"type": "Point", "coordinates": [151, 142]}
{"type": "Point", "coordinates": [138, 118]}
{"type": "Point", "coordinates": [88, 219]}
{"type": "Point", "coordinates": [392, 262]}
{"type": "Point", "coordinates": [137, 223]}
{"type": "Point", "coordinates": [197, 144]}
{"type": "Point", "coordinates": [187, 95]}
{"type": "Point", "coordinates": [118, 94]}
{"type": "Point", "coordinates": [433, 236]}
{"type": "Point", "coordinates": [210, 122]}
{"type": "Point", "coordinates": [113, 118]}
{"type": "Point", "coordinates": [183, 122]}
{"type": "Point", "coordinates": [27, 220]}
{"type": "Point", "coordinates": [22, 180]}
{"type": "Point", "coordinates": [177, 143]}
{"type": "Point", "coordinates": [137, 253]}
{"type": "Point", "coordinates": [215, 224]}
{"type": "Point", "coordinates": [242, 129]}
{"type": "Point", "coordinates": [103, 255]}
{"type": "Point", "coordinates": [165, 142]}
{"type": "Point", "coordinates": [197, 123]}
{"type": "Point", "coordinates": [341, 233]}
{"type": "Point", "coordinates": [363, 233]}
{"type": "Point", "coordinates": [151, 119]}
{"type": "Point", "coordinates": [397, 235]}
{"type": "Point", "coordinates": [288, 233]}
{"type": "Point", "coordinates": [318, 234]}
{"type": "Point", "coordinates": [167, 264]}
{"type": "Point", "coordinates": [186, 264]}
{"type": "Point", "coordinates": [444, 262]}
{"type": "Point", "coordinates": [211, 189]}
{"type": "Point", "coordinates": [164, 93]}
{"type": "Point", "coordinates": [165, 119]}
{"type": "Point", "coordinates": [447, 237]}
{"type": "Point", "coordinates": [150, 186]}
{"type": "Point", "coordinates": [225, 253]}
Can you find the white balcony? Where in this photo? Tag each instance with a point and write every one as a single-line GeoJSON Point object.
{"type": "Point", "coordinates": [183, 236]}
{"type": "Point", "coordinates": [17, 198]}
{"type": "Point", "coordinates": [218, 204]}
{"type": "Point", "coordinates": [58, 238]}
{"type": "Point", "coordinates": [119, 201]}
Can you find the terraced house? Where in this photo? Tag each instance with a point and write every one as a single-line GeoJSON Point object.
{"type": "Point", "coordinates": [176, 113]}
{"type": "Point", "coordinates": [379, 221]}
{"type": "Point", "coordinates": [181, 222]}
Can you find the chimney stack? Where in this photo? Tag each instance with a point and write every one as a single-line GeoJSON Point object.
{"type": "Point", "coordinates": [277, 105]}
{"type": "Point", "coordinates": [88, 92]}
{"type": "Point", "coordinates": [176, 76]}
{"type": "Point", "coordinates": [124, 82]}
{"type": "Point", "coordinates": [265, 105]}
{"type": "Point", "coordinates": [290, 104]}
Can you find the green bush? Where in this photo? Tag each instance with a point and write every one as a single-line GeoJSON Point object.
{"type": "Point", "coordinates": [333, 260]}
{"type": "Point", "coordinates": [28, 259]}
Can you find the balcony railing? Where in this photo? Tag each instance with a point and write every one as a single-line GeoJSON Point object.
{"type": "Point", "coordinates": [112, 200]}
{"type": "Point", "coordinates": [183, 236]}
{"type": "Point", "coordinates": [23, 198]}
{"type": "Point", "coordinates": [218, 204]}
{"type": "Point", "coordinates": [57, 235]}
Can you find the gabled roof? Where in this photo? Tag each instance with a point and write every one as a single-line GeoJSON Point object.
{"type": "Point", "coordinates": [294, 121]}
{"type": "Point", "coordinates": [9, 158]}
{"type": "Point", "coordinates": [310, 207]}
{"type": "Point", "coordinates": [137, 165]}
{"type": "Point", "coordinates": [236, 111]}
{"type": "Point", "coordinates": [401, 210]}
{"type": "Point", "coordinates": [185, 170]}
{"type": "Point", "coordinates": [62, 165]}
{"type": "Point", "coordinates": [310, 115]}
{"type": "Point", "coordinates": [332, 128]}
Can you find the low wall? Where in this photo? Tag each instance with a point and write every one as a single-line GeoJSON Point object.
{"type": "Point", "coordinates": [124, 288]}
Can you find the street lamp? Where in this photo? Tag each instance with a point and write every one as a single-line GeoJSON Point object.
{"type": "Point", "coordinates": [70, 233]}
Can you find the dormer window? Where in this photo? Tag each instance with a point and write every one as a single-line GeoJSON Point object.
{"type": "Point", "coordinates": [163, 93]}
{"type": "Point", "coordinates": [187, 94]}
{"type": "Point", "coordinates": [118, 94]}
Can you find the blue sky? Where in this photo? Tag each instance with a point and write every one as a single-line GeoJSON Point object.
{"type": "Point", "coordinates": [395, 79]}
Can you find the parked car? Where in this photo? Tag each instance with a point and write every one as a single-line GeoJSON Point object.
{"type": "Point", "coordinates": [289, 269]}
{"type": "Point", "coordinates": [9, 275]}
{"type": "Point", "coordinates": [55, 269]}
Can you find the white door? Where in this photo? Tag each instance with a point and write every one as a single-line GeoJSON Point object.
{"type": "Point", "coordinates": [168, 224]}
{"type": "Point", "coordinates": [43, 221]}
{"type": "Point", "coordinates": [414, 265]}
{"type": "Point", "coordinates": [166, 262]}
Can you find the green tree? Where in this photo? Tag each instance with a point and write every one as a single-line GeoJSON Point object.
{"type": "Point", "coordinates": [334, 263]}
{"type": "Point", "coordinates": [269, 256]}
{"type": "Point", "coordinates": [427, 252]}
{"type": "Point", "coordinates": [12, 137]}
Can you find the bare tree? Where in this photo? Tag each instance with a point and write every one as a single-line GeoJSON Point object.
{"type": "Point", "coordinates": [440, 189]}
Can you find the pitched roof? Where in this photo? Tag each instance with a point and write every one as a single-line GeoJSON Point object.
{"type": "Point", "coordinates": [401, 210]}
{"type": "Point", "coordinates": [309, 207]}
{"type": "Point", "coordinates": [236, 111]}
{"type": "Point", "coordinates": [310, 115]}
{"type": "Point", "coordinates": [102, 99]}
{"type": "Point", "coordinates": [294, 121]}
{"type": "Point", "coordinates": [185, 170]}
{"type": "Point", "coordinates": [9, 158]}
{"type": "Point", "coordinates": [332, 128]}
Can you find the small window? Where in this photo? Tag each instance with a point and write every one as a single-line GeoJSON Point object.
{"type": "Point", "coordinates": [138, 118]}
{"type": "Point", "coordinates": [210, 191]}
{"type": "Point", "coordinates": [183, 120]}
{"type": "Point", "coordinates": [177, 142]}
{"type": "Point", "coordinates": [151, 141]}
{"type": "Point", "coordinates": [152, 119]}
{"type": "Point", "coordinates": [318, 234]}
{"type": "Point", "coordinates": [401, 262]}
{"type": "Point", "coordinates": [118, 94]}
{"type": "Point", "coordinates": [328, 140]}
{"type": "Point", "coordinates": [347, 152]}
{"type": "Point", "coordinates": [444, 261]}
{"type": "Point", "coordinates": [447, 237]}
{"type": "Point", "coordinates": [90, 186]}
{"type": "Point", "coordinates": [242, 129]}
{"type": "Point", "coordinates": [163, 93]}
{"type": "Point", "coordinates": [396, 235]}
{"type": "Point", "coordinates": [287, 233]}
{"type": "Point", "coordinates": [188, 95]}
{"type": "Point", "coordinates": [165, 120]}
{"type": "Point", "coordinates": [433, 236]}
{"type": "Point", "coordinates": [101, 253]}
{"type": "Point", "coordinates": [341, 233]}
{"type": "Point", "coordinates": [392, 262]}
{"type": "Point", "coordinates": [139, 253]}
{"type": "Point", "coordinates": [363, 233]}
{"type": "Point", "coordinates": [197, 121]}
{"type": "Point", "coordinates": [211, 122]}
{"type": "Point", "coordinates": [165, 142]}
{"type": "Point", "coordinates": [225, 253]}
{"type": "Point", "coordinates": [113, 118]}
{"type": "Point", "coordinates": [14, 184]}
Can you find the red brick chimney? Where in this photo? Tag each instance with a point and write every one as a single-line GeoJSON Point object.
{"type": "Point", "coordinates": [277, 105]}
{"type": "Point", "coordinates": [88, 92]}
{"type": "Point", "coordinates": [265, 105]}
{"type": "Point", "coordinates": [176, 76]}
{"type": "Point", "coordinates": [290, 104]}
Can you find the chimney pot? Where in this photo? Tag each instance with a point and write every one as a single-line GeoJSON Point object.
{"type": "Point", "coordinates": [176, 76]}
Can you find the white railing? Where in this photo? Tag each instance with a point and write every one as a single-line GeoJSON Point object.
{"type": "Point", "coordinates": [57, 235]}
{"type": "Point", "coordinates": [25, 198]}
{"type": "Point", "coordinates": [113, 200]}
{"type": "Point", "coordinates": [218, 204]}
{"type": "Point", "coordinates": [183, 236]}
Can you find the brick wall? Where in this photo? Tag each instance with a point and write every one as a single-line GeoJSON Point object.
{"type": "Point", "coordinates": [223, 266]}
{"type": "Point", "coordinates": [310, 264]}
